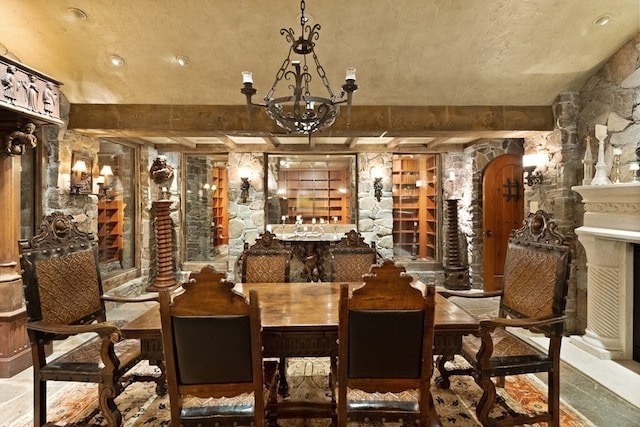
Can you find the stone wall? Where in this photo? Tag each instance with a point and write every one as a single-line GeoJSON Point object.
{"type": "Point", "coordinates": [610, 97]}
{"type": "Point", "coordinates": [375, 218]}
{"type": "Point", "coordinates": [246, 220]}
{"type": "Point", "coordinates": [59, 143]}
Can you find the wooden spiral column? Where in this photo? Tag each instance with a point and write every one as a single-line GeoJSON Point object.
{"type": "Point", "coordinates": [164, 277]}
{"type": "Point", "coordinates": [456, 275]}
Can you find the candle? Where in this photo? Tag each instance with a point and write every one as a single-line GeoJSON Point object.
{"type": "Point", "coordinates": [335, 219]}
{"type": "Point", "coordinates": [321, 220]}
{"type": "Point", "coordinates": [601, 131]}
{"type": "Point", "coordinates": [617, 151]}
{"type": "Point", "coordinates": [269, 228]}
{"type": "Point", "coordinates": [247, 77]}
{"type": "Point", "coordinates": [164, 189]}
{"type": "Point", "coordinates": [351, 74]}
{"type": "Point", "coordinates": [313, 221]}
{"type": "Point", "coordinates": [284, 217]}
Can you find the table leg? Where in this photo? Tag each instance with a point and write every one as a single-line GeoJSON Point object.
{"type": "Point", "coordinates": [283, 385]}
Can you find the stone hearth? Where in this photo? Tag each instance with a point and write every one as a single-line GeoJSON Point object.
{"type": "Point", "coordinates": [611, 227]}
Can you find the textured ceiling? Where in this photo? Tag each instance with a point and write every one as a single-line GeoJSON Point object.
{"type": "Point", "coordinates": [407, 52]}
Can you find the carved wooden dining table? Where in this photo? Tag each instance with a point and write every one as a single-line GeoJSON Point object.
{"type": "Point", "coordinates": [301, 320]}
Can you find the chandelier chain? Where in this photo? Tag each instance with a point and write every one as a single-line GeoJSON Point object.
{"type": "Point", "coordinates": [279, 76]}
{"type": "Point", "coordinates": [323, 76]}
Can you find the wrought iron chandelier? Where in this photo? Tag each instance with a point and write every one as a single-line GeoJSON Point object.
{"type": "Point", "coordinates": [302, 113]}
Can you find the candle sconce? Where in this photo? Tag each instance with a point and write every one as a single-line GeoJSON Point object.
{"type": "Point", "coordinates": [80, 177]}
{"type": "Point", "coordinates": [376, 174]}
{"type": "Point", "coordinates": [377, 188]}
{"type": "Point", "coordinates": [103, 180]}
{"type": "Point", "coordinates": [532, 165]}
{"type": "Point", "coordinates": [245, 185]}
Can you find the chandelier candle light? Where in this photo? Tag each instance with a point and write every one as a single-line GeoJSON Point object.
{"type": "Point", "coordinates": [601, 177]}
{"type": "Point", "coordinates": [302, 113]}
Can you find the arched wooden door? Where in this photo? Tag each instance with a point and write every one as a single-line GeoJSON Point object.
{"type": "Point", "coordinates": [503, 210]}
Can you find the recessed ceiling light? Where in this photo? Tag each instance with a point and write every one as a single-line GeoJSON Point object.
{"type": "Point", "coordinates": [602, 20]}
{"type": "Point", "coordinates": [183, 61]}
{"type": "Point", "coordinates": [76, 13]}
{"type": "Point", "coordinates": [116, 60]}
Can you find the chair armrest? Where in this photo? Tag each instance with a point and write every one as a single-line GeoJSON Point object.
{"type": "Point", "coordinates": [467, 294]}
{"type": "Point", "coordinates": [529, 322]}
{"type": "Point", "coordinates": [125, 299]}
{"type": "Point", "coordinates": [103, 329]}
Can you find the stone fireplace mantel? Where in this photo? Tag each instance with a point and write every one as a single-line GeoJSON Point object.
{"type": "Point", "coordinates": [611, 225]}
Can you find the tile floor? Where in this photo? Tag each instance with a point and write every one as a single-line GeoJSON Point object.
{"type": "Point", "coordinates": [606, 392]}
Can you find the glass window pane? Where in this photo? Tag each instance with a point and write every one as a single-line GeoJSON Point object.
{"type": "Point", "coordinates": [116, 208]}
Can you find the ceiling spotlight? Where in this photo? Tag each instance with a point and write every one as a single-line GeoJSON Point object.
{"type": "Point", "coordinates": [602, 20]}
{"type": "Point", "coordinates": [182, 61]}
{"type": "Point", "coordinates": [116, 60]}
{"type": "Point", "coordinates": [76, 13]}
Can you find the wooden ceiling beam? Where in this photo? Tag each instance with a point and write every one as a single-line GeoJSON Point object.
{"type": "Point", "coordinates": [136, 120]}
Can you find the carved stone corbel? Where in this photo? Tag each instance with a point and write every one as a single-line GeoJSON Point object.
{"type": "Point", "coordinates": [14, 143]}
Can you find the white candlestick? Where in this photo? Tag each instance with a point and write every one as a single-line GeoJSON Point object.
{"type": "Point", "coordinates": [601, 177]}
{"type": "Point", "coordinates": [588, 164]}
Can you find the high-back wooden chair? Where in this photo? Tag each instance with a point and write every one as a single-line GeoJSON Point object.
{"type": "Point", "coordinates": [533, 296]}
{"type": "Point", "coordinates": [63, 293]}
{"type": "Point", "coordinates": [385, 346]}
{"type": "Point", "coordinates": [213, 349]}
{"type": "Point", "coordinates": [267, 260]}
{"type": "Point", "coordinates": [351, 258]}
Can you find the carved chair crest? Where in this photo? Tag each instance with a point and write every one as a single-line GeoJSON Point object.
{"type": "Point", "coordinates": [268, 241]}
{"type": "Point", "coordinates": [352, 239]}
{"type": "Point", "coordinates": [59, 229]}
{"type": "Point", "coordinates": [540, 228]}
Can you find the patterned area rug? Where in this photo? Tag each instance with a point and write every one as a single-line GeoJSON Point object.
{"type": "Point", "coordinates": [74, 405]}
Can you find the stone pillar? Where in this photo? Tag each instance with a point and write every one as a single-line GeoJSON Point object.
{"type": "Point", "coordinates": [14, 343]}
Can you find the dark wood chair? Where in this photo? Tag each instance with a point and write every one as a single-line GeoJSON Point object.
{"type": "Point", "coordinates": [267, 260]}
{"type": "Point", "coordinates": [534, 290]}
{"type": "Point", "coordinates": [63, 293]}
{"type": "Point", "coordinates": [385, 347]}
{"type": "Point", "coordinates": [351, 258]}
{"type": "Point", "coordinates": [213, 349]}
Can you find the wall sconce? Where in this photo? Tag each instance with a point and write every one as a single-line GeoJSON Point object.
{"type": "Point", "coordinates": [245, 185]}
{"type": "Point", "coordinates": [532, 163]}
{"type": "Point", "coordinates": [377, 174]}
{"type": "Point", "coordinates": [103, 182]}
{"type": "Point", "coordinates": [78, 174]}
